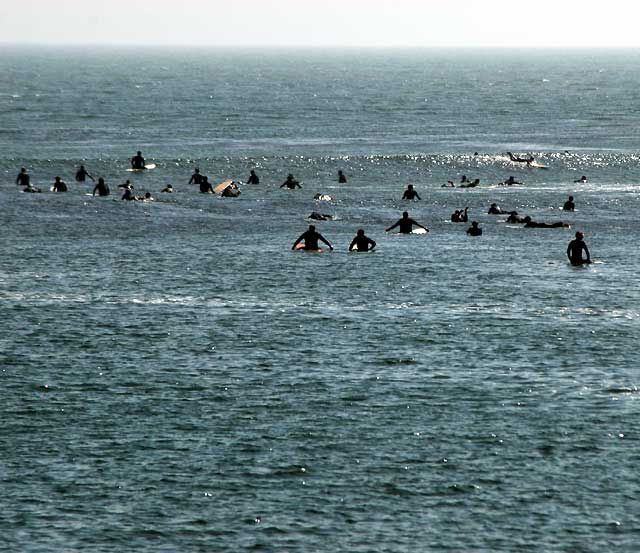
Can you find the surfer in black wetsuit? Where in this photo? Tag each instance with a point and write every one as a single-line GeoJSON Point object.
{"type": "Point", "coordinates": [196, 178]}
{"type": "Point", "coordinates": [474, 229]}
{"type": "Point", "coordinates": [205, 186]}
{"type": "Point", "coordinates": [518, 159]}
{"type": "Point", "coordinates": [82, 174]}
{"type": "Point", "coordinates": [569, 205]}
{"type": "Point", "coordinates": [511, 181]}
{"type": "Point", "coordinates": [167, 189]}
{"type": "Point", "coordinates": [59, 186]}
{"type": "Point", "coordinates": [410, 194]}
{"type": "Point", "coordinates": [406, 224]}
{"type": "Point", "coordinates": [101, 188]}
{"type": "Point", "coordinates": [290, 183]}
{"type": "Point", "coordinates": [311, 238]}
{"type": "Point", "coordinates": [137, 161]}
{"type": "Point", "coordinates": [575, 249]}
{"type": "Point", "coordinates": [528, 223]}
{"type": "Point", "coordinates": [342, 179]}
{"type": "Point", "coordinates": [23, 178]}
{"type": "Point", "coordinates": [581, 180]}
{"type": "Point", "coordinates": [253, 178]}
{"type": "Point", "coordinates": [361, 242]}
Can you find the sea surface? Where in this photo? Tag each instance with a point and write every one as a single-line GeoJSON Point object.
{"type": "Point", "coordinates": [175, 379]}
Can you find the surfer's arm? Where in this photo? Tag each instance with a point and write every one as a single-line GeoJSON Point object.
{"type": "Point", "coordinates": [392, 226]}
{"type": "Point", "coordinates": [373, 244]}
{"type": "Point", "coordinates": [325, 241]}
{"type": "Point", "coordinates": [586, 250]}
{"type": "Point", "coordinates": [300, 239]}
{"type": "Point", "coordinates": [415, 223]}
{"type": "Point", "coordinates": [418, 196]}
{"type": "Point", "coordinates": [353, 243]}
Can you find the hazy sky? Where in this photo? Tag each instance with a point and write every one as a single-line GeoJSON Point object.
{"type": "Point", "coordinates": [457, 23]}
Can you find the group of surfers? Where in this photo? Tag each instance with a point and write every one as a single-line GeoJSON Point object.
{"type": "Point", "coordinates": [310, 238]}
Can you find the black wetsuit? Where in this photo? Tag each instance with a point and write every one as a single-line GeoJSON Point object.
{"type": "Point", "coordinates": [411, 194]}
{"type": "Point", "coordinates": [253, 179]}
{"type": "Point", "coordinates": [405, 224]}
{"type": "Point", "coordinates": [196, 178]}
{"type": "Point", "coordinates": [362, 242]}
{"type": "Point", "coordinates": [310, 238]}
{"type": "Point", "coordinates": [82, 174]}
{"type": "Point", "coordinates": [569, 206]}
{"type": "Point", "coordinates": [23, 179]}
{"type": "Point", "coordinates": [60, 186]}
{"type": "Point", "coordinates": [137, 162]}
{"type": "Point", "coordinates": [101, 188]}
{"type": "Point", "coordinates": [574, 252]}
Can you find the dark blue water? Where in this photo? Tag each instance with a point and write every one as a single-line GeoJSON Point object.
{"type": "Point", "coordinates": [174, 378]}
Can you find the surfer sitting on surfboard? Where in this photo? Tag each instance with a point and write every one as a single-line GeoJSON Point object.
{"type": "Point", "coordinates": [575, 248]}
{"type": "Point", "coordinates": [410, 194]}
{"type": "Point", "coordinates": [310, 238]}
{"type": "Point", "coordinates": [406, 224]}
{"type": "Point", "coordinates": [59, 186]}
{"type": "Point", "coordinates": [361, 242]}
{"type": "Point", "coordinates": [290, 183]}
{"type": "Point", "coordinates": [137, 161]}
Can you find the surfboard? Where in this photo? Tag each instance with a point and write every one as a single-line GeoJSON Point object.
{"type": "Point", "coordinates": [147, 166]}
{"type": "Point", "coordinates": [418, 231]}
{"type": "Point", "coordinates": [536, 165]}
{"type": "Point", "coordinates": [219, 189]}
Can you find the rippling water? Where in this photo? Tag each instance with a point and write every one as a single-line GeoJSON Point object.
{"type": "Point", "coordinates": [174, 378]}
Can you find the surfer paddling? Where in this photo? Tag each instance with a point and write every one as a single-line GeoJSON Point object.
{"type": "Point", "coordinates": [518, 159]}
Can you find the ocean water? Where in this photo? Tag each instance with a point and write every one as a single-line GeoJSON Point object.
{"type": "Point", "coordinates": [175, 378]}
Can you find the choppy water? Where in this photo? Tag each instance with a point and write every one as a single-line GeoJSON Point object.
{"type": "Point", "coordinates": [174, 378]}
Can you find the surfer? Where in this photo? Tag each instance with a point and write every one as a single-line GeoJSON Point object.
{"type": "Point", "coordinates": [137, 161]}
{"type": "Point", "coordinates": [470, 184]}
{"type": "Point", "coordinates": [569, 205]}
{"type": "Point", "coordinates": [82, 174]}
{"type": "Point", "coordinates": [575, 249]}
{"type": "Point", "coordinates": [515, 218]}
{"type": "Point", "coordinates": [310, 238]}
{"type": "Point", "coordinates": [101, 188]}
{"type": "Point", "coordinates": [59, 186]}
{"type": "Point", "coordinates": [290, 183]}
{"type": "Point", "coordinates": [342, 179]}
{"type": "Point", "coordinates": [167, 189]}
{"type": "Point", "coordinates": [196, 178]}
{"type": "Point", "coordinates": [581, 180]}
{"type": "Point", "coordinates": [406, 224]}
{"type": "Point", "coordinates": [464, 179]}
{"type": "Point", "coordinates": [511, 181]}
{"type": "Point", "coordinates": [528, 223]}
{"type": "Point", "coordinates": [460, 216]}
{"type": "Point", "coordinates": [474, 229]}
{"type": "Point", "coordinates": [231, 191]}
{"type": "Point", "coordinates": [518, 159]}
{"type": "Point", "coordinates": [127, 194]}
{"type": "Point", "coordinates": [410, 194]}
{"type": "Point", "coordinates": [253, 178]}
{"type": "Point", "coordinates": [448, 185]}
{"type": "Point", "coordinates": [322, 197]}
{"type": "Point", "coordinates": [320, 216]}
{"type": "Point", "coordinates": [126, 184]}
{"type": "Point", "coordinates": [23, 178]}
{"type": "Point", "coordinates": [205, 186]}
{"type": "Point", "coordinates": [362, 242]}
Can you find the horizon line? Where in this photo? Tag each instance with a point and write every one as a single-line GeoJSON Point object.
{"type": "Point", "coordinates": [310, 47]}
